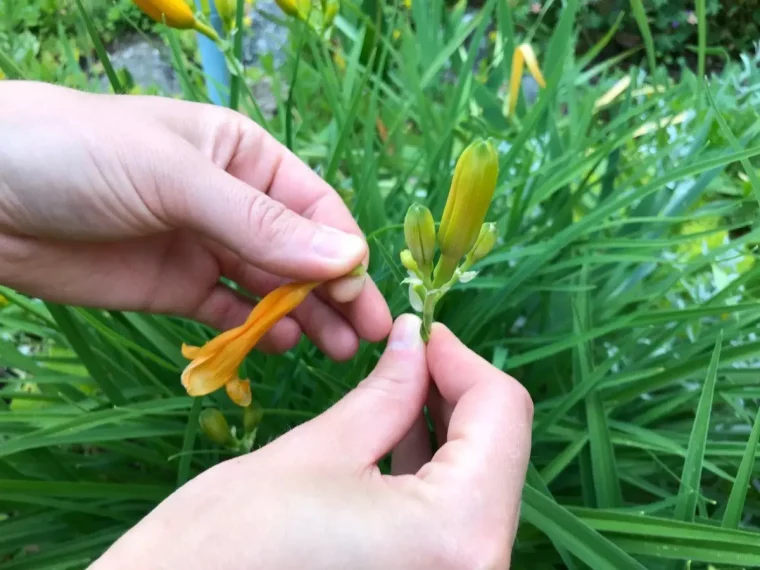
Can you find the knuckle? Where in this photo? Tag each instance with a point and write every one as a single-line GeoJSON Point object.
{"type": "Point", "coordinates": [269, 218]}
{"type": "Point", "coordinates": [516, 394]}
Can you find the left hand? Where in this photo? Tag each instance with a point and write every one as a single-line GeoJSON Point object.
{"type": "Point", "coordinates": [143, 203]}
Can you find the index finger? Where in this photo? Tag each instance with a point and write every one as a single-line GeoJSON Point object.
{"type": "Point", "coordinates": [489, 434]}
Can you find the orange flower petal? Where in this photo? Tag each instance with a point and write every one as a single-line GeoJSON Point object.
{"type": "Point", "coordinates": [216, 363]}
{"type": "Point", "coordinates": [239, 391]}
{"type": "Point", "coordinates": [190, 352]}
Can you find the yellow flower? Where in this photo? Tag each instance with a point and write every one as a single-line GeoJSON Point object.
{"type": "Point", "coordinates": [176, 14]}
{"type": "Point", "coordinates": [470, 195]}
{"type": "Point", "coordinates": [523, 55]}
{"type": "Point", "coordinates": [216, 363]}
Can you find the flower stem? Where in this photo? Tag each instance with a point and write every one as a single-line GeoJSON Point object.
{"type": "Point", "coordinates": [444, 270]}
{"type": "Point", "coordinates": [428, 309]}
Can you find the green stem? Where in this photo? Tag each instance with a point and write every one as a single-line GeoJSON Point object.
{"type": "Point", "coordinates": [444, 270]}
{"type": "Point", "coordinates": [428, 309]}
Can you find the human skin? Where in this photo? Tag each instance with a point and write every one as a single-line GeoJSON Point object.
{"type": "Point", "coordinates": [315, 498]}
{"type": "Point", "coordinates": [142, 204]}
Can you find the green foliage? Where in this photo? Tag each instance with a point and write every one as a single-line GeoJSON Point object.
{"type": "Point", "coordinates": [623, 294]}
{"type": "Point", "coordinates": [49, 38]}
{"type": "Point", "coordinates": [732, 26]}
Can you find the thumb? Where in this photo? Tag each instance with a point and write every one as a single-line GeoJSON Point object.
{"type": "Point", "coordinates": [262, 231]}
{"type": "Point", "coordinates": [371, 419]}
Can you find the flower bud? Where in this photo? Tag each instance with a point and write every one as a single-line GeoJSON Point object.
{"type": "Point", "coordinates": [175, 14]}
{"type": "Point", "coordinates": [290, 7]}
{"type": "Point", "coordinates": [330, 11]}
{"type": "Point", "coordinates": [216, 428]}
{"type": "Point", "coordinates": [408, 261]}
{"type": "Point", "coordinates": [470, 195]}
{"type": "Point", "coordinates": [227, 10]}
{"type": "Point", "coordinates": [252, 415]}
{"type": "Point", "coordinates": [419, 231]}
{"type": "Point", "coordinates": [485, 242]}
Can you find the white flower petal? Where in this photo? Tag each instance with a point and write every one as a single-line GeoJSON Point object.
{"type": "Point", "coordinates": [467, 276]}
{"type": "Point", "coordinates": [414, 299]}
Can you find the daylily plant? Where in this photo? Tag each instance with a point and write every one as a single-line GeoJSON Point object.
{"type": "Point", "coordinates": [462, 235]}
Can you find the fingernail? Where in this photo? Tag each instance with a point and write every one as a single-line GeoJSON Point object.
{"type": "Point", "coordinates": [334, 244]}
{"type": "Point", "coordinates": [347, 289]}
{"type": "Point", "coordinates": [405, 334]}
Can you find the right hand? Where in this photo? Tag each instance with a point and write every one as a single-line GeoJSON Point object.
{"type": "Point", "coordinates": [315, 498]}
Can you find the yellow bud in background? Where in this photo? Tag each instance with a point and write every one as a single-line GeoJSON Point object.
{"type": "Point", "coordinates": [485, 242]}
{"type": "Point", "coordinates": [470, 195]}
{"type": "Point", "coordinates": [216, 427]}
{"type": "Point", "coordinates": [252, 416]}
{"type": "Point", "coordinates": [408, 261]}
{"type": "Point", "coordinates": [227, 10]}
{"type": "Point", "coordinates": [419, 231]}
{"type": "Point", "coordinates": [290, 7]}
{"type": "Point", "coordinates": [330, 12]}
{"type": "Point", "coordinates": [175, 14]}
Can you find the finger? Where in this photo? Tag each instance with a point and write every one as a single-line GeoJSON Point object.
{"type": "Point", "coordinates": [489, 433]}
{"type": "Point", "coordinates": [374, 417]}
{"type": "Point", "coordinates": [413, 451]}
{"type": "Point", "coordinates": [440, 413]}
{"type": "Point", "coordinates": [235, 143]}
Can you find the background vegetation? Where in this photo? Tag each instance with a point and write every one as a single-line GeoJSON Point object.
{"type": "Point", "coordinates": [623, 293]}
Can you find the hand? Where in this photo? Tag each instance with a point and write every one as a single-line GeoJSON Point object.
{"type": "Point", "coordinates": [315, 499]}
{"type": "Point", "coordinates": [142, 203]}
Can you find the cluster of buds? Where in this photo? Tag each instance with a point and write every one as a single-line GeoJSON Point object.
{"type": "Point", "coordinates": [215, 427]}
{"type": "Point", "coordinates": [462, 239]}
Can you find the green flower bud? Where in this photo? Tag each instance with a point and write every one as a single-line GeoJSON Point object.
{"type": "Point", "coordinates": [252, 416]}
{"type": "Point", "coordinates": [485, 242]}
{"type": "Point", "coordinates": [419, 231]}
{"type": "Point", "coordinates": [216, 428]}
{"type": "Point", "coordinates": [227, 10]}
{"type": "Point", "coordinates": [292, 7]}
{"type": "Point", "coordinates": [408, 261]}
{"type": "Point", "coordinates": [470, 195]}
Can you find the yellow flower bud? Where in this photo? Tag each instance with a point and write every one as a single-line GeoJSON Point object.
{"type": "Point", "coordinates": [470, 195]}
{"type": "Point", "coordinates": [408, 261]}
{"type": "Point", "coordinates": [227, 10]}
{"type": "Point", "coordinates": [331, 10]}
{"type": "Point", "coordinates": [175, 14]}
{"type": "Point", "coordinates": [419, 231]}
{"type": "Point", "coordinates": [290, 7]}
{"type": "Point", "coordinates": [485, 242]}
{"type": "Point", "coordinates": [216, 427]}
{"type": "Point", "coordinates": [252, 415]}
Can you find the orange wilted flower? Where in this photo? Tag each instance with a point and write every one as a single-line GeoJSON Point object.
{"type": "Point", "coordinates": [523, 55]}
{"type": "Point", "coordinates": [216, 363]}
